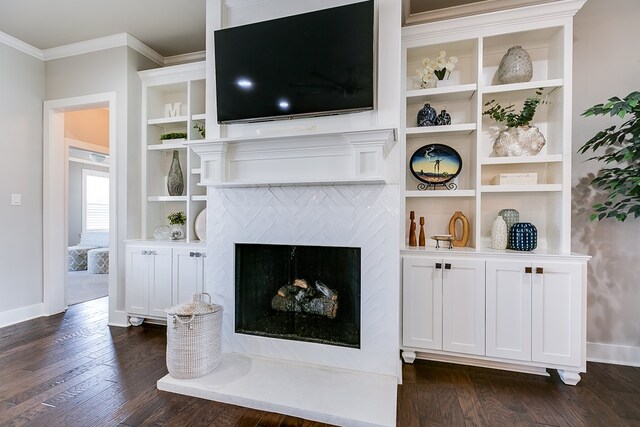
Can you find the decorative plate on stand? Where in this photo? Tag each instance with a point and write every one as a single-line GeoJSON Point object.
{"type": "Point", "coordinates": [201, 225]}
{"type": "Point", "coordinates": [435, 164]}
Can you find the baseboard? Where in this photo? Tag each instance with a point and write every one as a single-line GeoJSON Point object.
{"type": "Point", "coordinates": [614, 354]}
{"type": "Point", "coordinates": [21, 314]}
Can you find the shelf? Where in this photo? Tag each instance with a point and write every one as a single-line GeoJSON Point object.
{"type": "Point", "coordinates": [199, 198]}
{"type": "Point", "coordinates": [527, 86]}
{"type": "Point", "coordinates": [167, 120]}
{"type": "Point", "coordinates": [196, 171]}
{"type": "Point", "coordinates": [465, 128]}
{"type": "Point", "coordinates": [553, 158]}
{"type": "Point", "coordinates": [198, 117]}
{"type": "Point", "coordinates": [170, 146]}
{"type": "Point", "coordinates": [520, 188]}
{"type": "Point", "coordinates": [438, 94]}
{"type": "Point", "coordinates": [440, 193]}
{"type": "Point", "coordinates": [167, 198]}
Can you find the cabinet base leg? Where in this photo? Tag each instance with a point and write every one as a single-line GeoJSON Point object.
{"type": "Point", "coordinates": [408, 356]}
{"type": "Point", "coordinates": [569, 377]}
{"type": "Point", "coordinates": [136, 321]}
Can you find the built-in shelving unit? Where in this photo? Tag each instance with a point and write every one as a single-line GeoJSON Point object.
{"type": "Point", "coordinates": [493, 307]}
{"type": "Point", "coordinates": [173, 100]}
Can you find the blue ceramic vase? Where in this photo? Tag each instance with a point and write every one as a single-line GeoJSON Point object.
{"type": "Point", "coordinates": [427, 116]}
{"type": "Point", "coordinates": [443, 118]}
{"type": "Point", "coordinates": [523, 236]}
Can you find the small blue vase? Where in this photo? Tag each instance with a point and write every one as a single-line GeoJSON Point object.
{"type": "Point", "coordinates": [523, 236]}
{"type": "Point", "coordinates": [443, 118]}
{"type": "Point", "coordinates": [427, 116]}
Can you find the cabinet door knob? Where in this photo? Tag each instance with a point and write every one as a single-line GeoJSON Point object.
{"type": "Point", "coordinates": [447, 266]}
{"type": "Point", "coordinates": [197, 254]}
{"type": "Point", "coordinates": [527, 270]}
{"type": "Point", "coordinates": [145, 252]}
{"type": "Point", "coordinates": [539, 270]}
{"type": "Point", "coordinates": [191, 254]}
{"type": "Point", "coordinates": [438, 265]}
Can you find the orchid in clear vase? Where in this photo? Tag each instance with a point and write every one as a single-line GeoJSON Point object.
{"type": "Point", "coordinates": [436, 69]}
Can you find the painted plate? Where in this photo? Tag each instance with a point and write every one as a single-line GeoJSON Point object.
{"type": "Point", "coordinates": [435, 164]}
{"type": "Point", "coordinates": [201, 225]}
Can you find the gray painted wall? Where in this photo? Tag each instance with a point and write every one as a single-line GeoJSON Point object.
{"type": "Point", "coordinates": [74, 209]}
{"type": "Point", "coordinates": [22, 90]}
{"type": "Point", "coordinates": [606, 64]}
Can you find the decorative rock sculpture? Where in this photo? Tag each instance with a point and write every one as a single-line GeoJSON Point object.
{"type": "Point", "coordinates": [515, 67]}
{"type": "Point", "coordinates": [519, 141]}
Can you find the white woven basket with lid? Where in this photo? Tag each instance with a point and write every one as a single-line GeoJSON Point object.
{"type": "Point", "coordinates": [194, 337]}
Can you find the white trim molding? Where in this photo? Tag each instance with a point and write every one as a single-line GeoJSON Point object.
{"type": "Point", "coordinates": [184, 58]}
{"type": "Point", "coordinates": [613, 353]}
{"type": "Point", "coordinates": [21, 46]}
{"type": "Point", "coordinates": [21, 314]}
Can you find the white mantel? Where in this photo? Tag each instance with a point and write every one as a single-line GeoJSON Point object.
{"type": "Point", "coordinates": [340, 157]}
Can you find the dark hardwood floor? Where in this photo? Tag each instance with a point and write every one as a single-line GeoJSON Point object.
{"type": "Point", "coordinates": [73, 370]}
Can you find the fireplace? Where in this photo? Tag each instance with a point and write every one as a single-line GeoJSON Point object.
{"type": "Point", "coordinates": [298, 292]}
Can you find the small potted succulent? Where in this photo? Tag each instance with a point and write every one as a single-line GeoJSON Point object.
{"type": "Point", "coordinates": [519, 138]}
{"type": "Point", "coordinates": [177, 221]}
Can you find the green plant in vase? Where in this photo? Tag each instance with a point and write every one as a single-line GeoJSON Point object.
{"type": "Point", "coordinates": [621, 145]}
{"type": "Point", "coordinates": [173, 135]}
{"type": "Point", "coordinates": [519, 138]}
{"type": "Point", "coordinates": [177, 221]}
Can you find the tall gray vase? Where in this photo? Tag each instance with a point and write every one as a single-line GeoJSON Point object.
{"type": "Point", "coordinates": [175, 180]}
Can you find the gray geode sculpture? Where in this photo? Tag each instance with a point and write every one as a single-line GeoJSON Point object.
{"type": "Point", "coordinates": [515, 67]}
{"type": "Point", "coordinates": [519, 141]}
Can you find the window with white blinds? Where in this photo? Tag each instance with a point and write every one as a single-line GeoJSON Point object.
{"type": "Point", "coordinates": [95, 200]}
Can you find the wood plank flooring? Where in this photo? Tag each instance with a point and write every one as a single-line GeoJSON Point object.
{"type": "Point", "coordinates": [73, 370]}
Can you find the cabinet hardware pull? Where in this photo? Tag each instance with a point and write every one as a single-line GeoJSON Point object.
{"type": "Point", "coordinates": [192, 254]}
{"type": "Point", "coordinates": [539, 270]}
{"type": "Point", "coordinates": [447, 266]}
{"type": "Point", "coordinates": [527, 270]}
{"type": "Point", "coordinates": [197, 254]}
{"type": "Point", "coordinates": [438, 265]}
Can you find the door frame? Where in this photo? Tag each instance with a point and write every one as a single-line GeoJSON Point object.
{"type": "Point", "coordinates": [55, 197]}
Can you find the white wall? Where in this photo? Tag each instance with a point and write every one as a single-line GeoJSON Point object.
{"type": "Point", "coordinates": [22, 90]}
{"type": "Point", "coordinates": [606, 64]}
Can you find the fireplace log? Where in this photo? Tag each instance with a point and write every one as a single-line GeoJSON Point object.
{"type": "Point", "coordinates": [321, 300]}
{"type": "Point", "coordinates": [301, 283]}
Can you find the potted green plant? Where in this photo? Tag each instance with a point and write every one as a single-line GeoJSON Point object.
{"type": "Point", "coordinates": [621, 145]}
{"type": "Point", "coordinates": [519, 138]}
{"type": "Point", "coordinates": [177, 221]}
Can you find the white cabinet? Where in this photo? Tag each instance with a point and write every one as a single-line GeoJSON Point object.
{"type": "Point", "coordinates": [188, 272]}
{"type": "Point", "coordinates": [173, 101]}
{"type": "Point", "coordinates": [534, 311]}
{"type": "Point", "coordinates": [148, 280]}
{"type": "Point", "coordinates": [159, 275]}
{"type": "Point", "coordinates": [443, 301]}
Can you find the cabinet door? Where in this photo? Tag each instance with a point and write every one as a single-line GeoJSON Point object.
{"type": "Point", "coordinates": [422, 303]}
{"type": "Point", "coordinates": [138, 266]}
{"type": "Point", "coordinates": [556, 317]}
{"type": "Point", "coordinates": [463, 302]}
{"type": "Point", "coordinates": [188, 273]}
{"type": "Point", "coordinates": [509, 309]}
{"type": "Point", "coordinates": [160, 282]}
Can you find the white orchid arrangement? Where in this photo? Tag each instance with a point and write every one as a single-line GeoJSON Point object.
{"type": "Point", "coordinates": [436, 69]}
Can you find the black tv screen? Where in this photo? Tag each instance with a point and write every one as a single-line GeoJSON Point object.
{"type": "Point", "coordinates": [313, 64]}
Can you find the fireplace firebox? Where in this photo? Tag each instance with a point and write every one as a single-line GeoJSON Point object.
{"type": "Point", "coordinates": [295, 292]}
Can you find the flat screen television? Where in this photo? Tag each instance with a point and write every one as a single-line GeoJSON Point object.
{"type": "Point", "coordinates": [313, 64]}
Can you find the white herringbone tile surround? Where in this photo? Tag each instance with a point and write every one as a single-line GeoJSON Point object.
{"type": "Point", "coordinates": [354, 387]}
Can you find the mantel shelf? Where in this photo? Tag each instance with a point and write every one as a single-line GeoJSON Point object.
{"type": "Point", "coordinates": [352, 156]}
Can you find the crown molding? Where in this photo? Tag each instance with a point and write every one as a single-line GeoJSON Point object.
{"type": "Point", "coordinates": [184, 58]}
{"type": "Point", "coordinates": [21, 46]}
{"type": "Point", "coordinates": [102, 43]}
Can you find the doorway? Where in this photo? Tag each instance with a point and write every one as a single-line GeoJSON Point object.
{"type": "Point", "coordinates": [56, 196]}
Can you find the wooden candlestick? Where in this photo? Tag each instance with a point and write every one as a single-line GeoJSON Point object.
{"type": "Point", "coordinates": [422, 241]}
{"type": "Point", "coordinates": [412, 229]}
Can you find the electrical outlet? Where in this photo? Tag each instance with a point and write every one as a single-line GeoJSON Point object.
{"type": "Point", "coordinates": [16, 199]}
